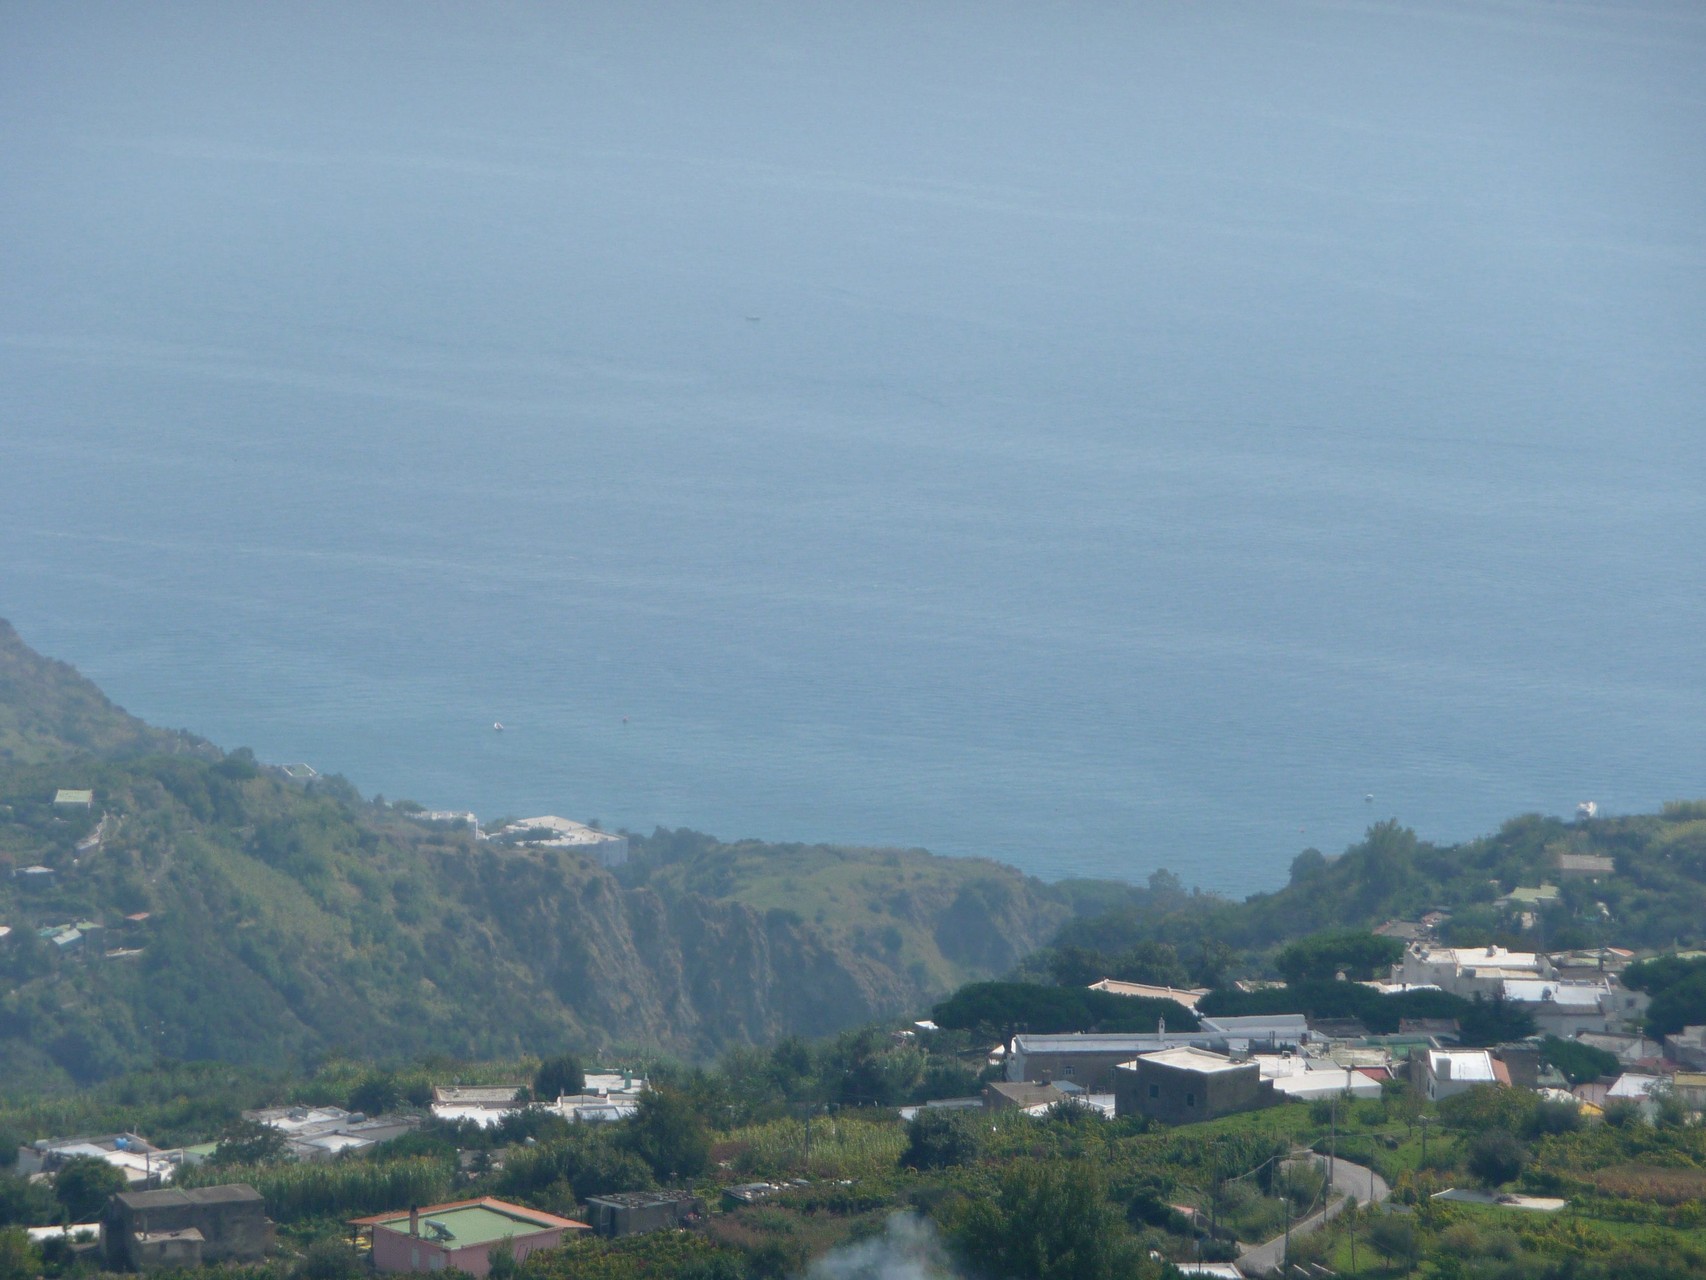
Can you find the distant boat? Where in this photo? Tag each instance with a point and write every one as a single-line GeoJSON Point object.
{"type": "Point", "coordinates": [1586, 809]}
{"type": "Point", "coordinates": [1369, 798]}
{"type": "Point", "coordinates": [498, 725]}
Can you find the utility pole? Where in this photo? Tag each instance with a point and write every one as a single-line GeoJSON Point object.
{"type": "Point", "coordinates": [1423, 1121]}
{"type": "Point", "coordinates": [1333, 1141]}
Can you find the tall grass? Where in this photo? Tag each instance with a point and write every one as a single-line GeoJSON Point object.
{"type": "Point", "coordinates": [830, 1147]}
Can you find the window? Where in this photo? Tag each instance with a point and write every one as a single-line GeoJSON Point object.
{"type": "Point", "coordinates": [1154, 1091]}
{"type": "Point", "coordinates": [1067, 1071]}
{"type": "Point", "coordinates": [1190, 1099]}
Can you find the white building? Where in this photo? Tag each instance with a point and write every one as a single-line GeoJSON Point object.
{"type": "Point", "coordinates": [143, 1164]}
{"type": "Point", "coordinates": [1445, 1072]}
{"type": "Point", "coordinates": [319, 1133]}
{"type": "Point", "coordinates": [552, 832]}
{"type": "Point", "coordinates": [1304, 1079]}
{"type": "Point", "coordinates": [1468, 971]}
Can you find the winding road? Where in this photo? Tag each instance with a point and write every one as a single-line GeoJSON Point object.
{"type": "Point", "coordinates": [1355, 1183]}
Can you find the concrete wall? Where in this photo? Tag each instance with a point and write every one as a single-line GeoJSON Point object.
{"type": "Point", "coordinates": [1183, 1096]}
{"type": "Point", "coordinates": [613, 1217]}
{"type": "Point", "coordinates": [1090, 1071]}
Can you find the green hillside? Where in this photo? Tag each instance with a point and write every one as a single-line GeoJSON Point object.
{"type": "Point", "coordinates": [284, 922]}
{"type": "Point", "coordinates": [49, 712]}
{"type": "Point", "coordinates": [1648, 893]}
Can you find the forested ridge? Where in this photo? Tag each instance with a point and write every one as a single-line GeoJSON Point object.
{"type": "Point", "coordinates": [276, 921]}
{"type": "Point", "coordinates": [245, 917]}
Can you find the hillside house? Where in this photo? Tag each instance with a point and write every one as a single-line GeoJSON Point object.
{"type": "Point", "coordinates": [1560, 1009]}
{"type": "Point", "coordinates": [552, 832]}
{"type": "Point", "coordinates": [319, 1133]}
{"type": "Point", "coordinates": [1440, 1073]}
{"type": "Point", "coordinates": [460, 1234]}
{"type": "Point", "coordinates": [143, 1164]}
{"type": "Point", "coordinates": [172, 1229]}
{"type": "Point", "coordinates": [1187, 1085]}
{"type": "Point", "coordinates": [1299, 1079]}
{"type": "Point", "coordinates": [1085, 1060]}
{"type": "Point", "coordinates": [1687, 1047]}
{"type": "Point", "coordinates": [484, 1104]}
{"type": "Point", "coordinates": [1468, 971]}
{"type": "Point", "coordinates": [630, 1213]}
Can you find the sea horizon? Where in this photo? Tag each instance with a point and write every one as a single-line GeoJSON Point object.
{"type": "Point", "coordinates": [1101, 440]}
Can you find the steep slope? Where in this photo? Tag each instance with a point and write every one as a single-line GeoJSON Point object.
{"type": "Point", "coordinates": [48, 711]}
{"type": "Point", "coordinates": [244, 917]}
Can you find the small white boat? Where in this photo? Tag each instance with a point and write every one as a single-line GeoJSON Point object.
{"type": "Point", "coordinates": [498, 725]}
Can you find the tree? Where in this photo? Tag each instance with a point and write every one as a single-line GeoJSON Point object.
{"type": "Point", "coordinates": [1047, 1221]}
{"type": "Point", "coordinates": [1394, 1236]}
{"type": "Point", "coordinates": [83, 1186]}
{"type": "Point", "coordinates": [329, 1259]}
{"type": "Point", "coordinates": [1307, 865]}
{"type": "Point", "coordinates": [939, 1139]}
{"type": "Point", "coordinates": [1321, 957]}
{"type": "Point", "coordinates": [250, 1142]}
{"type": "Point", "coordinates": [668, 1134]}
{"type": "Point", "coordinates": [18, 1258]}
{"type": "Point", "coordinates": [558, 1077]}
{"type": "Point", "coordinates": [1578, 1062]}
{"type": "Point", "coordinates": [1488, 1107]}
{"type": "Point", "coordinates": [376, 1095]}
{"type": "Point", "coordinates": [1622, 1113]}
{"type": "Point", "coordinates": [24, 1203]}
{"type": "Point", "coordinates": [1496, 1157]}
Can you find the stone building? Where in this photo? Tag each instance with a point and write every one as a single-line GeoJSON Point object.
{"type": "Point", "coordinates": [628, 1213]}
{"type": "Point", "coordinates": [1187, 1085]}
{"type": "Point", "coordinates": [144, 1230]}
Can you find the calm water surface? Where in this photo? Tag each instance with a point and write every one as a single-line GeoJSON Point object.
{"type": "Point", "coordinates": [1098, 436]}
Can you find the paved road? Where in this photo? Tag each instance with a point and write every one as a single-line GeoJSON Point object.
{"type": "Point", "coordinates": [1355, 1183]}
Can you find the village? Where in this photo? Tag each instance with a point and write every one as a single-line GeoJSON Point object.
{"type": "Point", "coordinates": [1224, 1067]}
{"type": "Point", "coordinates": [1584, 1049]}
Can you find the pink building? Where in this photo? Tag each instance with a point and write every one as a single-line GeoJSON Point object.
{"type": "Point", "coordinates": [461, 1234]}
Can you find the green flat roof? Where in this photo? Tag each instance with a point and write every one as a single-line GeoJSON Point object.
{"type": "Point", "coordinates": [472, 1224]}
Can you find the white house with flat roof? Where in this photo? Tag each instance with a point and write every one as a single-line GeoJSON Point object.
{"type": "Point", "coordinates": [1468, 971]}
{"type": "Point", "coordinates": [1444, 1072]}
{"type": "Point", "coordinates": [552, 832]}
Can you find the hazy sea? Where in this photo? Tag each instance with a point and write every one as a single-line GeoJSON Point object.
{"type": "Point", "coordinates": [1098, 436]}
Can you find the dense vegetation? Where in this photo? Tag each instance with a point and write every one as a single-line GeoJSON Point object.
{"type": "Point", "coordinates": [267, 926]}
{"type": "Point", "coordinates": [1678, 988]}
{"type": "Point", "coordinates": [1651, 899]}
{"type": "Point", "coordinates": [997, 1009]}
{"type": "Point", "coordinates": [1066, 1196]}
{"type": "Point", "coordinates": [246, 918]}
{"type": "Point", "coordinates": [252, 919]}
